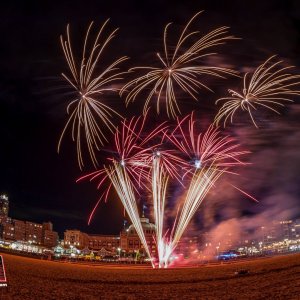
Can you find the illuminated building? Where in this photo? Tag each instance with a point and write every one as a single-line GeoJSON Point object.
{"type": "Point", "coordinates": [8, 232]}
{"type": "Point", "coordinates": [286, 229]}
{"type": "Point", "coordinates": [277, 230]}
{"type": "Point", "coordinates": [107, 242]}
{"type": "Point", "coordinates": [33, 232]}
{"type": "Point", "coordinates": [20, 230]}
{"type": "Point", "coordinates": [49, 237]}
{"type": "Point", "coordinates": [76, 238]}
{"type": "Point", "coordinates": [130, 241]}
{"type": "Point", "coordinates": [297, 228]}
{"type": "Point", "coordinates": [127, 242]}
{"type": "Point", "coordinates": [4, 205]}
{"type": "Point", "coordinates": [94, 242]}
{"type": "Point", "coordinates": [25, 231]}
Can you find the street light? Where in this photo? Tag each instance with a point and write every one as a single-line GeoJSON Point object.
{"type": "Point", "coordinates": [119, 250]}
{"type": "Point", "coordinates": [260, 247]}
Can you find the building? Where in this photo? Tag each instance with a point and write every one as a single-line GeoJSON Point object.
{"type": "Point", "coordinates": [130, 241]}
{"type": "Point", "coordinates": [269, 233]}
{"type": "Point", "coordinates": [47, 226]}
{"type": "Point", "coordinates": [33, 233]}
{"type": "Point", "coordinates": [20, 230]}
{"type": "Point", "coordinates": [277, 231]}
{"type": "Point", "coordinates": [297, 228]}
{"type": "Point", "coordinates": [76, 238]}
{"type": "Point", "coordinates": [25, 231]}
{"type": "Point", "coordinates": [108, 242]}
{"type": "Point", "coordinates": [4, 205]}
{"type": "Point", "coordinates": [286, 230]}
{"type": "Point", "coordinates": [94, 242]}
{"type": "Point", "coordinates": [50, 238]}
{"type": "Point", "coordinates": [8, 231]}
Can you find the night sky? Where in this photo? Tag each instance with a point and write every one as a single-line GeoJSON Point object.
{"type": "Point", "coordinates": [41, 184]}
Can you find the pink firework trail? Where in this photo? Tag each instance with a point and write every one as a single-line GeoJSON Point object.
{"type": "Point", "coordinates": [209, 155]}
{"type": "Point", "coordinates": [138, 161]}
{"type": "Point", "coordinates": [201, 150]}
{"type": "Point", "coordinates": [131, 153]}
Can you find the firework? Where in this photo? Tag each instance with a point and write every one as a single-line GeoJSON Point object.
{"type": "Point", "coordinates": [200, 185]}
{"type": "Point", "coordinates": [159, 186]}
{"type": "Point", "coordinates": [123, 186]}
{"type": "Point", "coordinates": [131, 152]}
{"type": "Point", "coordinates": [244, 193]}
{"type": "Point", "coordinates": [201, 150]}
{"type": "Point", "coordinates": [206, 157]}
{"type": "Point", "coordinates": [179, 69]}
{"type": "Point", "coordinates": [88, 109]}
{"type": "Point", "coordinates": [146, 162]}
{"type": "Point", "coordinates": [210, 155]}
{"type": "Point", "coordinates": [268, 87]}
{"type": "Point", "coordinates": [169, 160]}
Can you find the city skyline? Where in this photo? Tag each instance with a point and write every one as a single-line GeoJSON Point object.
{"type": "Point", "coordinates": [265, 232]}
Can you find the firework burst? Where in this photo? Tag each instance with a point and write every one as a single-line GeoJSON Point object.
{"type": "Point", "coordinates": [169, 160]}
{"type": "Point", "coordinates": [143, 161]}
{"type": "Point", "coordinates": [268, 87]}
{"type": "Point", "coordinates": [132, 153]}
{"type": "Point", "coordinates": [209, 155]}
{"type": "Point", "coordinates": [89, 84]}
{"type": "Point", "coordinates": [179, 69]}
{"type": "Point", "coordinates": [202, 150]}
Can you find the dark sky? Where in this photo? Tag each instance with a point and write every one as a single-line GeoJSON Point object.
{"type": "Point", "coordinates": [41, 184]}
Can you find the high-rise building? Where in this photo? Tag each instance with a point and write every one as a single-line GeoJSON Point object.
{"type": "Point", "coordinates": [47, 226]}
{"type": "Point", "coordinates": [285, 230]}
{"type": "Point", "coordinates": [4, 206]}
{"type": "Point", "coordinates": [25, 231]}
{"type": "Point", "coordinates": [20, 229]}
{"type": "Point", "coordinates": [33, 232]}
{"type": "Point", "coordinates": [8, 231]}
{"type": "Point", "coordinates": [50, 238]}
{"type": "Point", "coordinates": [297, 228]}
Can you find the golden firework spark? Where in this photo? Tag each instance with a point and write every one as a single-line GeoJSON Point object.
{"type": "Point", "coordinates": [201, 183]}
{"type": "Point", "coordinates": [180, 69]}
{"type": "Point", "coordinates": [123, 186]}
{"type": "Point", "coordinates": [268, 86]}
{"type": "Point", "coordinates": [89, 84]}
{"type": "Point", "coordinates": [159, 187]}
